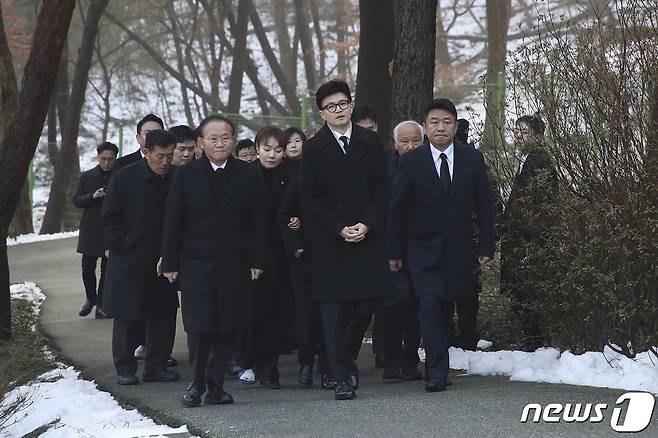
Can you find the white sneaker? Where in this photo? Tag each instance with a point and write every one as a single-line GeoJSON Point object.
{"type": "Point", "coordinates": [248, 377]}
{"type": "Point", "coordinates": [141, 352]}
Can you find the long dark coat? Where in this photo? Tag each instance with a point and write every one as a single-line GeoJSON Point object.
{"type": "Point", "coordinates": [340, 190]}
{"type": "Point", "coordinates": [90, 240]}
{"type": "Point", "coordinates": [437, 228]}
{"type": "Point", "coordinates": [133, 218]}
{"type": "Point", "coordinates": [527, 214]}
{"type": "Point", "coordinates": [212, 240]}
{"type": "Point", "coordinates": [271, 305]}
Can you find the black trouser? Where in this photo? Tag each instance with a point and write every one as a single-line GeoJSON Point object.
{"type": "Point", "coordinates": [433, 315]}
{"type": "Point", "coordinates": [343, 327]}
{"type": "Point", "coordinates": [524, 305]}
{"type": "Point", "coordinates": [126, 335]}
{"type": "Point", "coordinates": [209, 356]}
{"type": "Point", "coordinates": [402, 334]}
{"type": "Point", "coordinates": [467, 313]}
{"type": "Point", "coordinates": [89, 278]}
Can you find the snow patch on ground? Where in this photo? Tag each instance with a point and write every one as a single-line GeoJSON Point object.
{"type": "Point", "coordinates": [607, 369]}
{"type": "Point", "coordinates": [77, 406]}
{"type": "Point", "coordinates": [30, 238]}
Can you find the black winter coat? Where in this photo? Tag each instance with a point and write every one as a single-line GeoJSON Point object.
{"type": "Point", "coordinates": [341, 190]}
{"type": "Point", "coordinates": [133, 218]}
{"type": "Point", "coordinates": [214, 234]}
{"type": "Point", "coordinates": [90, 240]}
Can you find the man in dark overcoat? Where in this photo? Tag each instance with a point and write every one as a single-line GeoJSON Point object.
{"type": "Point", "coordinates": [139, 299]}
{"type": "Point", "coordinates": [345, 191]}
{"type": "Point", "coordinates": [214, 245]}
{"type": "Point", "coordinates": [437, 190]}
{"type": "Point", "coordinates": [89, 195]}
{"type": "Point", "coordinates": [527, 221]}
{"type": "Point", "coordinates": [148, 123]}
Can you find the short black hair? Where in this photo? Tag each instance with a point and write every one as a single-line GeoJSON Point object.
{"type": "Point", "coordinates": [107, 146]}
{"type": "Point", "coordinates": [331, 87]}
{"type": "Point", "coordinates": [441, 104]}
{"type": "Point", "coordinates": [289, 132]}
{"type": "Point", "coordinates": [363, 112]}
{"type": "Point", "coordinates": [149, 118]}
{"type": "Point", "coordinates": [215, 118]}
{"type": "Point", "coordinates": [462, 131]}
{"type": "Point", "coordinates": [183, 133]}
{"type": "Point", "coordinates": [160, 138]}
{"type": "Point", "coordinates": [267, 132]}
{"type": "Point", "coordinates": [534, 122]}
{"type": "Point", "coordinates": [245, 143]}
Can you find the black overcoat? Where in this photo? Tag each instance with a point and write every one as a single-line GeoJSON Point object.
{"type": "Point", "coordinates": [528, 212]}
{"type": "Point", "coordinates": [341, 190]}
{"type": "Point", "coordinates": [126, 160]}
{"type": "Point", "coordinates": [433, 232]}
{"type": "Point", "coordinates": [133, 218]}
{"type": "Point", "coordinates": [212, 240]}
{"type": "Point", "coordinates": [90, 240]}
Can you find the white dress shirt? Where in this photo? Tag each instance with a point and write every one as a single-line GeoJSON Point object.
{"type": "Point", "coordinates": [522, 162]}
{"type": "Point", "coordinates": [436, 157]}
{"type": "Point", "coordinates": [215, 167]}
{"type": "Point", "coordinates": [338, 135]}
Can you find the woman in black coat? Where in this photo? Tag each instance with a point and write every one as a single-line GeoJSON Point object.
{"type": "Point", "coordinates": [269, 332]}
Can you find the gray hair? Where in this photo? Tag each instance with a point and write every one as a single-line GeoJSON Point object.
{"type": "Point", "coordinates": [403, 124]}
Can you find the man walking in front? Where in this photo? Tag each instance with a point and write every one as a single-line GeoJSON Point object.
{"type": "Point", "coordinates": [345, 191]}
{"type": "Point", "coordinates": [437, 190]}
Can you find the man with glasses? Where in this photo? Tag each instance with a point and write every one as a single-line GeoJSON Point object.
{"type": "Point", "coordinates": [214, 237]}
{"type": "Point", "coordinates": [345, 190]}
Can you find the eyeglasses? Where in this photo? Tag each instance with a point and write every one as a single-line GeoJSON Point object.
{"type": "Point", "coordinates": [333, 107]}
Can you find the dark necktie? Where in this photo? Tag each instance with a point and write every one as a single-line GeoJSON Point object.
{"type": "Point", "coordinates": [445, 174]}
{"type": "Point", "coordinates": [346, 142]}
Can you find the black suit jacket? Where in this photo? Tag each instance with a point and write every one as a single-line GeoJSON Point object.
{"type": "Point", "coordinates": [126, 160]}
{"type": "Point", "coordinates": [212, 240]}
{"type": "Point", "coordinates": [90, 240]}
{"type": "Point", "coordinates": [432, 231]}
{"type": "Point", "coordinates": [133, 218]}
{"type": "Point", "coordinates": [341, 190]}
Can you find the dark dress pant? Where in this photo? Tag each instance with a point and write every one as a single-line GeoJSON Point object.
{"type": "Point", "coordinates": [127, 336]}
{"type": "Point", "coordinates": [209, 356]}
{"type": "Point", "coordinates": [433, 315]}
{"type": "Point", "coordinates": [89, 278]}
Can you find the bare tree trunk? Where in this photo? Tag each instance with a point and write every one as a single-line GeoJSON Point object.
{"type": "Point", "coordinates": [171, 14]}
{"type": "Point", "coordinates": [498, 15]}
{"type": "Point", "coordinates": [315, 13]}
{"type": "Point", "coordinates": [239, 55]}
{"type": "Point", "coordinates": [376, 50]}
{"type": "Point", "coordinates": [58, 188]}
{"type": "Point", "coordinates": [308, 54]}
{"type": "Point", "coordinates": [286, 54]}
{"type": "Point", "coordinates": [413, 68]}
{"type": "Point", "coordinates": [442, 53]}
{"type": "Point", "coordinates": [341, 50]}
{"type": "Point", "coordinates": [18, 145]}
{"type": "Point", "coordinates": [22, 220]}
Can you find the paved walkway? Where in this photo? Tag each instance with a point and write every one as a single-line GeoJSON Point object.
{"type": "Point", "coordinates": [474, 406]}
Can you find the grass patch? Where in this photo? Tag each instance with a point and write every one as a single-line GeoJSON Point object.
{"type": "Point", "coordinates": [22, 358]}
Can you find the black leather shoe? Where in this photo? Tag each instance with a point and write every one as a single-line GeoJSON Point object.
{"type": "Point", "coordinates": [305, 377]}
{"type": "Point", "coordinates": [192, 396]}
{"type": "Point", "coordinates": [161, 375]}
{"type": "Point", "coordinates": [354, 378]}
{"type": "Point", "coordinates": [410, 373]}
{"type": "Point", "coordinates": [86, 308]}
{"type": "Point", "coordinates": [129, 379]}
{"type": "Point", "coordinates": [391, 373]}
{"type": "Point", "coordinates": [435, 386]}
{"type": "Point", "coordinates": [344, 391]}
{"type": "Point", "coordinates": [220, 397]}
{"type": "Point", "coordinates": [326, 383]}
{"type": "Point", "coordinates": [271, 384]}
{"type": "Point", "coordinates": [171, 362]}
